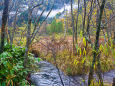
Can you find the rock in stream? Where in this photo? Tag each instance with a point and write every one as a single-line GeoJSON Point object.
{"type": "Point", "coordinates": [48, 76]}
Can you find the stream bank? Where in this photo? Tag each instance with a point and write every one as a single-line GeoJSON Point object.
{"type": "Point", "coordinates": [48, 76]}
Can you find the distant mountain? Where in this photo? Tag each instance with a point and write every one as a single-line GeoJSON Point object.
{"type": "Point", "coordinates": [57, 10]}
{"type": "Point", "coordinates": [24, 15]}
{"type": "Point", "coordinates": [58, 3]}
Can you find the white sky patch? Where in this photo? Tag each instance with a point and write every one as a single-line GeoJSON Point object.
{"type": "Point", "coordinates": [55, 12]}
{"type": "Point", "coordinates": [68, 7]}
{"type": "Point", "coordinates": [25, 7]}
{"type": "Point", "coordinates": [52, 14]}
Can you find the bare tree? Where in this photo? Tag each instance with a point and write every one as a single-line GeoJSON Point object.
{"type": "Point", "coordinates": [64, 20]}
{"type": "Point", "coordinates": [72, 17]}
{"type": "Point", "coordinates": [30, 37]}
{"type": "Point", "coordinates": [15, 20]}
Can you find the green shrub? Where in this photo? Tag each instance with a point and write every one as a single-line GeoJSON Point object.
{"type": "Point", "coordinates": [12, 71]}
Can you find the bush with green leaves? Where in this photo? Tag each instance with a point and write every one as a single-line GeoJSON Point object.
{"type": "Point", "coordinates": [12, 71]}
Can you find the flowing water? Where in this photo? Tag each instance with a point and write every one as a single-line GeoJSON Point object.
{"type": "Point", "coordinates": [48, 76]}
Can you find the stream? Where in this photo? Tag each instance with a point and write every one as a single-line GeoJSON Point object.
{"type": "Point", "coordinates": [48, 76]}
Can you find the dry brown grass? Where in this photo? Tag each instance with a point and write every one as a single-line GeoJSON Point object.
{"type": "Point", "coordinates": [68, 62]}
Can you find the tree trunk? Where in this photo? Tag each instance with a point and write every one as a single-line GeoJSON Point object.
{"type": "Point", "coordinates": [89, 18]}
{"type": "Point", "coordinates": [28, 37]}
{"type": "Point", "coordinates": [65, 29]}
{"type": "Point", "coordinates": [114, 41]}
{"type": "Point", "coordinates": [113, 82]}
{"type": "Point", "coordinates": [72, 16]}
{"type": "Point", "coordinates": [83, 31]}
{"type": "Point", "coordinates": [96, 49]}
{"type": "Point", "coordinates": [14, 26]}
{"type": "Point", "coordinates": [4, 21]}
{"type": "Point", "coordinates": [77, 22]}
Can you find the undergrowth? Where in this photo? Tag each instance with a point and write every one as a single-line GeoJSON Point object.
{"type": "Point", "coordinates": [78, 63]}
{"type": "Point", "coordinates": [12, 71]}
